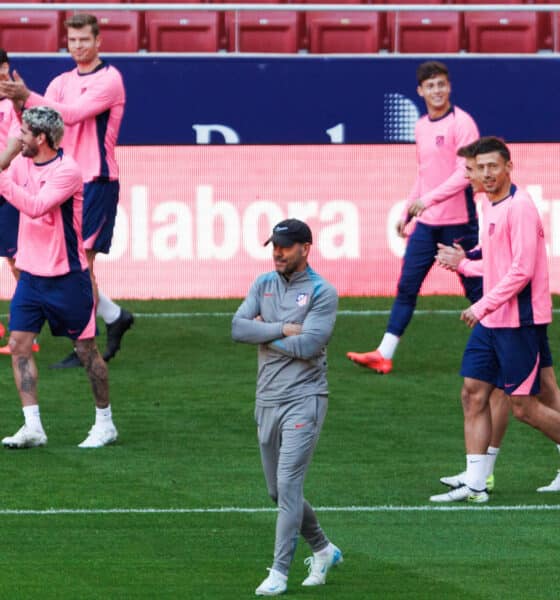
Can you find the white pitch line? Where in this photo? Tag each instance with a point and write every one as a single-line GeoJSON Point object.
{"type": "Point", "coordinates": [346, 313]}
{"type": "Point", "coordinates": [247, 510]}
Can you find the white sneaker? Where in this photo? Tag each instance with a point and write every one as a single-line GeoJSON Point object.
{"type": "Point", "coordinates": [26, 438]}
{"type": "Point", "coordinates": [320, 564]}
{"type": "Point", "coordinates": [100, 435]}
{"type": "Point", "coordinates": [275, 584]}
{"type": "Point", "coordinates": [454, 481]}
{"type": "Point", "coordinates": [553, 486]}
{"type": "Point", "coordinates": [460, 494]}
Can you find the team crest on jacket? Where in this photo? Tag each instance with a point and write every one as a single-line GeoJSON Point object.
{"type": "Point", "coordinates": [302, 299]}
{"type": "Point", "coordinates": [440, 139]}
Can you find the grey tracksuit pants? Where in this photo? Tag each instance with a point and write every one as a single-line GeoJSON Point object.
{"type": "Point", "coordinates": [288, 434]}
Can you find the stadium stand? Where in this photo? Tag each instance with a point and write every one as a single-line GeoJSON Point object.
{"type": "Point", "coordinates": [319, 32]}
{"type": "Point", "coordinates": [30, 31]}
{"type": "Point", "coordinates": [263, 31]}
{"type": "Point", "coordinates": [425, 32]}
{"type": "Point", "coordinates": [344, 32]}
{"type": "Point", "coordinates": [122, 31]}
{"type": "Point", "coordinates": [183, 31]}
{"type": "Point", "coordinates": [507, 32]}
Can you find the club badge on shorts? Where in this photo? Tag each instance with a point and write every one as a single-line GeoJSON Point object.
{"type": "Point", "coordinates": [302, 299]}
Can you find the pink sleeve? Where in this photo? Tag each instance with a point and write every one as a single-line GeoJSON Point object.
{"type": "Point", "coordinates": [525, 228]}
{"type": "Point", "coordinates": [466, 132]}
{"type": "Point", "coordinates": [15, 126]}
{"type": "Point", "coordinates": [60, 187]}
{"type": "Point", "coordinates": [471, 268]}
{"type": "Point", "coordinates": [96, 99]}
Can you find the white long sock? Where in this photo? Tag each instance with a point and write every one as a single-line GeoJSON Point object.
{"type": "Point", "coordinates": [107, 309]}
{"type": "Point", "coordinates": [491, 456]}
{"type": "Point", "coordinates": [33, 417]}
{"type": "Point", "coordinates": [103, 416]}
{"type": "Point", "coordinates": [475, 477]}
{"type": "Point", "coordinates": [558, 446]}
{"type": "Point", "coordinates": [388, 345]}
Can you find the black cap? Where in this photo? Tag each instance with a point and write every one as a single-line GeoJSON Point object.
{"type": "Point", "coordinates": [289, 232]}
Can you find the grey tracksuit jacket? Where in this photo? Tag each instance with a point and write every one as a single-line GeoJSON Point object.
{"type": "Point", "coordinates": [292, 367]}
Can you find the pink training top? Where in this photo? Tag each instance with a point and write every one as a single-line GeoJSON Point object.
{"type": "Point", "coordinates": [92, 107]}
{"type": "Point", "coordinates": [10, 125]}
{"type": "Point", "coordinates": [49, 198]}
{"type": "Point", "coordinates": [514, 264]}
{"type": "Point", "coordinates": [440, 182]}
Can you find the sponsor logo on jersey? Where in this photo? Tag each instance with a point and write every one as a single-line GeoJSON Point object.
{"type": "Point", "coordinates": [491, 228]}
{"type": "Point", "coordinates": [440, 139]}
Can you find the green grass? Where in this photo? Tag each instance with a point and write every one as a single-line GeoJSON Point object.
{"type": "Point", "coordinates": [182, 396]}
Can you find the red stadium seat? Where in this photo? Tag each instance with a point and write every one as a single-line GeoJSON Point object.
{"type": "Point", "coordinates": [121, 31]}
{"type": "Point", "coordinates": [344, 32]}
{"type": "Point", "coordinates": [183, 31]}
{"type": "Point", "coordinates": [503, 32]}
{"type": "Point", "coordinates": [268, 31]}
{"type": "Point", "coordinates": [30, 31]}
{"type": "Point", "coordinates": [425, 32]}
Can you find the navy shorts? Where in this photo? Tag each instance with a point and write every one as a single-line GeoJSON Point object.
{"type": "Point", "coordinates": [509, 358]}
{"type": "Point", "coordinates": [100, 210]}
{"type": "Point", "coordinates": [66, 302]}
{"type": "Point", "coordinates": [9, 224]}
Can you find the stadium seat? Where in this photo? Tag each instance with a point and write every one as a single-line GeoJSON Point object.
{"type": "Point", "coordinates": [425, 32]}
{"type": "Point", "coordinates": [267, 31]}
{"type": "Point", "coordinates": [121, 31]}
{"type": "Point", "coordinates": [344, 32]}
{"type": "Point", "coordinates": [30, 31]}
{"type": "Point", "coordinates": [501, 32]}
{"type": "Point", "coordinates": [183, 31]}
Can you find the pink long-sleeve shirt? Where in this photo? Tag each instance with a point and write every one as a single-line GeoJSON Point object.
{"type": "Point", "coordinates": [10, 125]}
{"type": "Point", "coordinates": [49, 198]}
{"type": "Point", "coordinates": [440, 183]}
{"type": "Point", "coordinates": [514, 265]}
{"type": "Point", "coordinates": [92, 107]}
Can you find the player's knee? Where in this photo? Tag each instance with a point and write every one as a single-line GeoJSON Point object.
{"type": "Point", "coordinates": [521, 408]}
{"type": "Point", "coordinates": [472, 399]}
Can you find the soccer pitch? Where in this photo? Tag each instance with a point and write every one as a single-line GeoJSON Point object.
{"type": "Point", "coordinates": [178, 507]}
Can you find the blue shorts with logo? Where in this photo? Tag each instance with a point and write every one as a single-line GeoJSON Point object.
{"type": "Point", "coordinates": [66, 302]}
{"type": "Point", "coordinates": [9, 225]}
{"type": "Point", "coordinates": [509, 358]}
{"type": "Point", "coordinates": [100, 210]}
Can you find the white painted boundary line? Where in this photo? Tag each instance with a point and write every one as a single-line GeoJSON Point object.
{"type": "Point", "coordinates": [237, 509]}
{"type": "Point", "coordinates": [346, 313]}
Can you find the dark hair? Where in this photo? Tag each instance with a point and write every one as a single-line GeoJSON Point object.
{"type": "Point", "coordinates": [430, 69]}
{"type": "Point", "coordinates": [493, 144]}
{"type": "Point", "coordinates": [469, 151]}
{"type": "Point", "coordinates": [3, 56]}
{"type": "Point", "coordinates": [80, 20]}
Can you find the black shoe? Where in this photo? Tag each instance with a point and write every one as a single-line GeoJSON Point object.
{"type": "Point", "coordinates": [70, 361]}
{"type": "Point", "coordinates": [115, 332]}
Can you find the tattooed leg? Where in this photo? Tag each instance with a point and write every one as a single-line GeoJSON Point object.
{"type": "Point", "coordinates": [96, 369]}
{"type": "Point", "coordinates": [24, 367]}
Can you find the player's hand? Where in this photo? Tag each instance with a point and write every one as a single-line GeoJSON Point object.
{"type": "Point", "coordinates": [469, 317]}
{"type": "Point", "coordinates": [400, 226]}
{"type": "Point", "coordinates": [416, 208]}
{"type": "Point", "coordinates": [291, 329]}
{"type": "Point", "coordinates": [449, 257]}
{"type": "Point", "coordinates": [15, 89]}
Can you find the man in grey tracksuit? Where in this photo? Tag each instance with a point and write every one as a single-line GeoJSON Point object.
{"type": "Point", "coordinates": [290, 313]}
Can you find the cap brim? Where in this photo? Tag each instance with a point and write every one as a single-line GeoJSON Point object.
{"type": "Point", "coordinates": [280, 240]}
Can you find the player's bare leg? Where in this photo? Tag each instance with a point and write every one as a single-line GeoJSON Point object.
{"type": "Point", "coordinates": [103, 431]}
{"type": "Point", "coordinates": [25, 376]}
